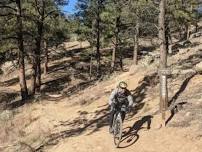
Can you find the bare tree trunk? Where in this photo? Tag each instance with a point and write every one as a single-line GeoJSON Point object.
{"type": "Point", "coordinates": [40, 26]}
{"type": "Point", "coordinates": [22, 79]}
{"type": "Point", "coordinates": [116, 45]}
{"type": "Point", "coordinates": [187, 32]}
{"type": "Point", "coordinates": [33, 74]}
{"type": "Point", "coordinates": [98, 20]}
{"type": "Point", "coordinates": [98, 46]}
{"type": "Point", "coordinates": [96, 41]}
{"type": "Point", "coordinates": [38, 64]}
{"type": "Point", "coordinates": [136, 44]}
{"type": "Point", "coordinates": [120, 59]}
{"type": "Point", "coordinates": [196, 27]}
{"type": "Point", "coordinates": [163, 62]}
{"type": "Point", "coordinates": [113, 58]}
{"type": "Point", "coordinates": [180, 33]}
{"type": "Point", "coordinates": [167, 37]}
{"type": "Point", "coordinates": [46, 58]}
{"type": "Point", "coordinates": [80, 44]}
{"type": "Point", "coordinates": [91, 64]}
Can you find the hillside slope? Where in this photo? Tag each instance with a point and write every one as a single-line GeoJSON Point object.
{"type": "Point", "coordinates": [79, 123]}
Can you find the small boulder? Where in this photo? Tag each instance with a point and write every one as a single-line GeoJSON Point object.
{"type": "Point", "coordinates": [187, 71]}
{"type": "Point", "coordinates": [6, 115]}
{"type": "Point", "coordinates": [147, 60]}
{"type": "Point", "coordinates": [188, 114]}
{"type": "Point", "coordinates": [198, 67]}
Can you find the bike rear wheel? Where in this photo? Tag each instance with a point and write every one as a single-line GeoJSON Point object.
{"type": "Point", "coordinates": [117, 130]}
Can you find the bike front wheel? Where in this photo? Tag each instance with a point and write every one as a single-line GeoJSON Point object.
{"type": "Point", "coordinates": [117, 130]}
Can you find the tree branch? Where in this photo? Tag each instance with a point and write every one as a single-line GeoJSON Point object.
{"type": "Point", "coordinates": [7, 38]}
{"type": "Point", "coordinates": [8, 7]}
{"type": "Point", "coordinates": [49, 13]}
{"type": "Point", "coordinates": [37, 7]}
{"type": "Point", "coordinates": [28, 33]}
{"type": "Point", "coordinates": [9, 14]}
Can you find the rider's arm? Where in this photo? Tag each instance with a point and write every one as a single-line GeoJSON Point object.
{"type": "Point", "coordinates": [112, 97]}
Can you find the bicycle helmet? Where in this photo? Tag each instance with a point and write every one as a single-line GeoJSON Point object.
{"type": "Point", "coordinates": [123, 85]}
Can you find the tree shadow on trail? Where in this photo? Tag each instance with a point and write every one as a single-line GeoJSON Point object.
{"type": "Point", "coordinates": [10, 82]}
{"type": "Point", "coordinates": [143, 50]}
{"type": "Point", "coordinates": [139, 94]}
{"type": "Point", "coordinates": [79, 126]}
{"type": "Point", "coordinates": [65, 53]}
{"type": "Point", "coordinates": [182, 88]}
{"type": "Point", "coordinates": [185, 64]}
{"type": "Point", "coordinates": [56, 85]}
{"type": "Point", "coordinates": [175, 105]}
{"type": "Point", "coordinates": [131, 136]}
{"type": "Point", "coordinates": [6, 99]}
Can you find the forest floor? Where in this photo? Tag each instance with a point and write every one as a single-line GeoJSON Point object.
{"type": "Point", "coordinates": [71, 114]}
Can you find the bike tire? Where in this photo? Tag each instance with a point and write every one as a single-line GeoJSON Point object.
{"type": "Point", "coordinates": [117, 130]}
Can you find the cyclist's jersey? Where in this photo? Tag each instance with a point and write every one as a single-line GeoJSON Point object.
{"type": "Point", "coordinates": [122, 98]}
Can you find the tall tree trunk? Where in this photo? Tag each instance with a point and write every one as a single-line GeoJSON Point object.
{"type": "Point", "coordinates": [40, 26]}
{"type": "Point", "coordinates": [196, 27]}
{"type": "Point", "coordinates": [38, 65]}
{"type": "Point", "coordinates": [113, 58]}
{"type": "Point", "coordinates": [163, 62]}
{"type": "Point", "coordinates": [98, 45]}
{"type": "Point", "coordinates": [167, 36]}
{"type": "Point", "coordinates": [22, 79]}
{"type": "Point", "coordinates": [181, 33]}
{"type": "Point", "coordinates": [114, 55]}
{"type": "Point", "coordinates": [187, 32]}
{"type": "Point", "coordinates": [33, 74]}
{"type": "Point", "coordinates": [116, 45]}
{"type": "Point", "coordinates": [91, 64]}
{"type": "Point", "coordinates": [120, 58]}
{"type": "Point", "coordinates": [46, 58]}
{"type": "Point", "coordinates": [136, 44]}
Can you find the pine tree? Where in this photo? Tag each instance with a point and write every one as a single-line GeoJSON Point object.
{"type": "Point", "coordinates": [12, 10]}
{"type": "Point", "coordinates": [89, 15]}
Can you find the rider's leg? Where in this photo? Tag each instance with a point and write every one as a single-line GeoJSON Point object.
{"type": "Point", "coordinates": [111, 117]}
{"type": "Point", "coordinates": [123, 115]}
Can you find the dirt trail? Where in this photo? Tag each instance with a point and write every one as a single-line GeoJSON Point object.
{"type": "Point", "coordinates": [95, 138]}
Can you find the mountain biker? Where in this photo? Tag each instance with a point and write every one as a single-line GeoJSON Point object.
{"type": "Point", "coordinates": [120, 95]}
